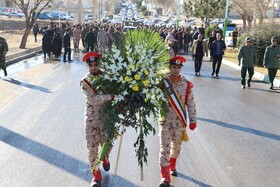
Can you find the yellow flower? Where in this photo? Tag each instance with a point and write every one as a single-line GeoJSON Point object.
{"type": "Point", "coordinates": [137, 77]}
{"type": "Point", "coordinates": [127, 79]}
{"type": "Point", "coordinates": [131, 67]}
{"type": "Point", "coordinates": [145, 82]}
{"type": "Point", "coordinates": [135, 88]}
{"type": "Point", "coordinates": [146, 72]}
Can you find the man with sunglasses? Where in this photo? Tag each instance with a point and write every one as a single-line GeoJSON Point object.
{"type": "Point", "coordinates": [271, 60]}
{"type": "Point", "coordinates": [247, 57]}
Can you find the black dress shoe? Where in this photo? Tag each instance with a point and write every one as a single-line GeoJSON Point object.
{"type": "Point", "coordinates": [173, 173]}
{"type": "Point", "coordinates": [64, 61]}
{"type": "Point", "coordinates": [212, 74]}
{"type": "Point", "coordinates": [164, 184]}
{"type": "Point", "coordinates": [249, 85]}
{"type": "Point", "coordinates": [70, 61]}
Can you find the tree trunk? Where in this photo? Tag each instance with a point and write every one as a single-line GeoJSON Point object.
{"type": "Point", "coordinates": [24, 37]}
{"type": "Point", "coordinates": [244, 22]}
{"type": "Point", "coordinates": [261, 20]}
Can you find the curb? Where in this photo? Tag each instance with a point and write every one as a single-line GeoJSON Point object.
{"type": "Point", "coordinates": [257, 75]}
{"type": "Point", "coordinates": [14, 58]}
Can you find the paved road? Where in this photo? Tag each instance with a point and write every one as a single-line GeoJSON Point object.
{"type": "Point", "coordinates": [42, 137]}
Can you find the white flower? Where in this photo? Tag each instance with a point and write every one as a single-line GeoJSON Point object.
{"type": "Point", "coordinates": [107, 77]}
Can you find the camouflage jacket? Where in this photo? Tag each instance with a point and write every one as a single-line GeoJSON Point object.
{"type": "Point", "coordinates": [94, 99]}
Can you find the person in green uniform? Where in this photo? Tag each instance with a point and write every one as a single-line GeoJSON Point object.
{"type": "Point", "coordinates": [271, 60]}
{"type": "Point", "coordinates": [247, 58]}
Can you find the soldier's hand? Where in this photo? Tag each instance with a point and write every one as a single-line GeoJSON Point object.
{"type": "Point", "coordinates": [192, 126]}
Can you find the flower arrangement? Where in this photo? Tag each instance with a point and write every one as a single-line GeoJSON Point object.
{"type": "Point", "coordinates": [133, 73]}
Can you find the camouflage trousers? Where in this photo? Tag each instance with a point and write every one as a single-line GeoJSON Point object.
{"type": "Point", "coordinates": [170, 141]}
{"type": "Point", "coordinates": [95, 136]}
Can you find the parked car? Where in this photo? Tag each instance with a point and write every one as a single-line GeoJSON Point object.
{"type": "Point", "coordinates": [126, 28]}
{"type": "Point", "coordinates": [45, 16]}
{"type": "Point", "coordinates": [89, 17]}
{"type": "Point", "coordinates": [14, 14]}
{"type": "Point", "coordinates": [219, 21]}
{"type": "Point", "coordinates": [66, 17]}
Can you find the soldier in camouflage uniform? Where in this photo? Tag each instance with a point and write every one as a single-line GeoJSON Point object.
{"type": "Point", "coordinates": [95, 132]}
{"type": "Point", "coordinates": [102, 40]}
{"type": "Point", "coordinates": [171, 126]}
{"type": "Point", "coordinates": [3, 51]}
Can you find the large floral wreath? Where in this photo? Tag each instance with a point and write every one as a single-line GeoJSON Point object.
{"type": "Point", "coordinates": [133, 73]}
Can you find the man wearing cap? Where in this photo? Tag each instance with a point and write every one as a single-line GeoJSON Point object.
{"type": "Point", "coordinates": [271, 60]}
{"type": "Point", "coordinates": [247, 58]}
{"type": "Point", "coordinates": [172, 126]}
{"type": "Point", "coordinates": [95, 132]}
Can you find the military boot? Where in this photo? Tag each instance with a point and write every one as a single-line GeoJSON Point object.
{"type": "Point", "coordinates": [106, 164]}
{"type": "Point", "coordinates": [165, 176]}
{"type": "Point", "coordinates": [96, 180]}
{"type": "Point", "coordinates": [172, 164]}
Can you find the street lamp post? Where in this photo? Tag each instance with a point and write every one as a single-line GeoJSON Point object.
{"type": "Point", "coordinates": [225, 20]}
{"type": "Point", "coordinates": [178, 16]}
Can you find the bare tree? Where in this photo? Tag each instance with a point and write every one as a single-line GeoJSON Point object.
{"type": "Point", "coordinates": [244, 9]}
{"type": "Point", "coordinates": [31, 12]}
{"type": "Point", "coordinates": [262, 7]}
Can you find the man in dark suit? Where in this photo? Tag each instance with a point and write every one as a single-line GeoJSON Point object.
{"type": "Point", "coordinates": [217, 51]}
{"type": "Point", "coordinates": [67, 46]}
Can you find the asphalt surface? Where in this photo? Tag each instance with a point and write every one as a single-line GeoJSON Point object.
{"type": "Point", "coordinates": [42, 141]}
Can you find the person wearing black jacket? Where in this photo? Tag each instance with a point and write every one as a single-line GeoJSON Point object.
{"type": "Point", "coordinates": [67, 46]}
{"type": "Point", "coordinates": [217, 51]}
{"type": "Point", "coordinates": [47, 43]}
{"type": "Point", "coordinates": [56, 45]}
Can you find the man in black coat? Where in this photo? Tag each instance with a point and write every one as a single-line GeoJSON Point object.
{"type": "Point", "coordinates": [217, 51]}
{"type": "Point", "coordinates": [47, 43]}
{"type": "Point", "coordinates": [67, 45]}
{"type": "Point", "coordinates": [90, 40]}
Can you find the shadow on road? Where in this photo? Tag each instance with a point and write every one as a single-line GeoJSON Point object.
{"type": "Point", "coordinates": [243, 129]}
{"type": "Point", "coordinates": [201, 184]}
{"type": "Point", "coordinates": [220, 77]}
{"type": "Point", "coordinates": [61, 160]}
{"type": "Point", "coordinates": [27, 85]}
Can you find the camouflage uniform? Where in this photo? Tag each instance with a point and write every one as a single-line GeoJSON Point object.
{"type": "Point", "coordinates": [95, 132]}
{"type": "Point", "coordinates": [3, 50]}
{"type": "Point", "coordinates": [102, 41]}
{"type": "Point", "coordinates": [171, 129]}
{"type": "Point", "coordinates": [76, 37]}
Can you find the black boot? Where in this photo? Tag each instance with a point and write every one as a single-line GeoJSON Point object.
{"type": "Point", "coordinates": [164, 184]}
{"type": "Point", "coordinates": [5, 72]}
{"type": "Point", "coordinates": [173, 173]}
